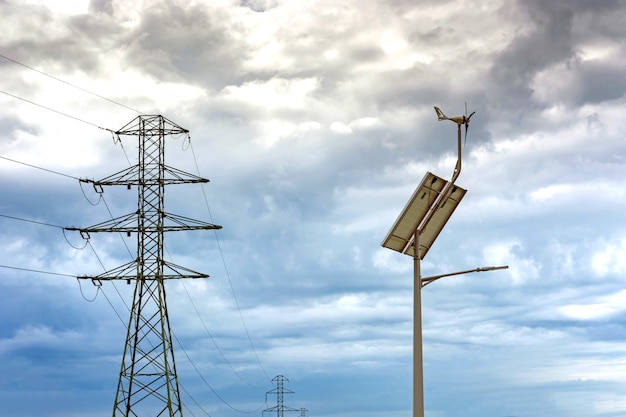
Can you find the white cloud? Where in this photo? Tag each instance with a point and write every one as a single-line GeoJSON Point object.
{"type": "Point", "coordinates": [274, 94]}
{"type": "Point", "coordinates": [365, 123]}
{"type": "Point", "coordinates": [521, 269]}
{"type": "Point", "coordinates": [387, 261]}
{"type": "Point", "coordinates": [552, 191]}
{"type": "Point", "coordinates": [340, 128]}
{"type": "Point", "coordinates": [610, 258]}
{"type": "Point", "coordinates": [598, 308]}
{"type": "Point", "coordinates": [63, 6]}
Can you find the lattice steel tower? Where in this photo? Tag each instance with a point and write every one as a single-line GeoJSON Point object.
{"type": "Point", "coordinates": [148, 384]}
{"type": "Point", "coordinates": [280, 391]}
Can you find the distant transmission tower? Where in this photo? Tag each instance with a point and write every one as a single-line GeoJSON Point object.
{"type": "Point", "coordinates": [148, 384]}
{"type": "Point", "coordinates": [280, 390]}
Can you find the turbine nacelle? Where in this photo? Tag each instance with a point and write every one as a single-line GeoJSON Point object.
{"type": "Point", "coordinates": [459, 120]}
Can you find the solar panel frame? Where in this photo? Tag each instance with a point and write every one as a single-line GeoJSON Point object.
{"type": "Point", "coordinates": [400, 236]}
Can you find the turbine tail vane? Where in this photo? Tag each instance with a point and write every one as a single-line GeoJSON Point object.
{"type": "Point", "coordinates": [440, 115]}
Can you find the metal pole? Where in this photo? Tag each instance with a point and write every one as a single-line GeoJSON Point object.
{"type": "Point", "coordinates": [418, 371]}
{"type": "Point", "coordinates": [418, 366]}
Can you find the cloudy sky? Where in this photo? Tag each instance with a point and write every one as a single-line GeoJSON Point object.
{"type": "Point", "coordinates": [314, 122]}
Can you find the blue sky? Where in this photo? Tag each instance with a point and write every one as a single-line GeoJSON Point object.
{"type": "Point", "coordinates": [314, 122]}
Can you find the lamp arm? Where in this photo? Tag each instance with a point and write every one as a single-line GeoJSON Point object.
{"type": "Point", "coordinates": [428, 280]}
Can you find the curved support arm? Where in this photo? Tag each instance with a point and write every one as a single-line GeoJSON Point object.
{"type": "Point", "coordinates": [444, 192]}
{"type": "Point", "coordinates": [457, 168]}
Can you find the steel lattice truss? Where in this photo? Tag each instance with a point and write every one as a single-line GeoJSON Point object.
{"type": "Point", "coordinates": [280, 408]}
{"type": "Point", "coordinates": [148, 383]}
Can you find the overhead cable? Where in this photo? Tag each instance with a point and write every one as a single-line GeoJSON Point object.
{"type": "Point", "coordinates": [56, 111]}
{"type": "Point", "coordinates": [68, 83]}
{"type": "Point", "coordinates": [206, 201]}
{"type": "Point", "coordinates": [36, 270]}
{"type": "Point", "coordinates": [43, 169]}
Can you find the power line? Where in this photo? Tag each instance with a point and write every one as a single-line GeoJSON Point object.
{"type": "Point", "coordinates": [206, 201]}
{"type": "Point", "coordinates": [100, 289]}
{"type": "Point", "coordinates": [37, 271]}
{"type": "Point", "coordinates": [68, 83]}
{"type": "Point", "coordinates": [95, 125]}
{"type": "Point", "coordinates": [209, 385]}
{"type": "Point", "coordinates": [30, 221]}
{"type": "Point", "coordinates": [55, 111]}
{"type": "Point", "coordinates": [43, 169]}
{"type": "Point", "coordinates": [118, 315]}
{"type": "Point", "coordinates": [80, 287]}
{"type": "Point", "coordinates": [91, 246]}
{"type": "Point", "coordinates": [74, 86]}
{"type": "Point", "coordinates": [211, 336]}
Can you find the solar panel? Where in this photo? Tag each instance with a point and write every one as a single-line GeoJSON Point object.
{"type": "Point", "coordinates": [400, 236]}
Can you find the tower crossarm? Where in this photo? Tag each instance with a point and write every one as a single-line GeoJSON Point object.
{"type": "Point", "coordinates": [130, 176]}
{"type": "Point", "coordinates": [151, 124]}
{"type": "Point", "coordinates": [277, 408]}
{"type": "Point", "coordinates": [128, 272]}
{"type": "Point", "coordinates": [128, 223]}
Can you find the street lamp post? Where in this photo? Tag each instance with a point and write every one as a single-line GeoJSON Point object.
{"type": "Point", "coordinates": [414, 232]}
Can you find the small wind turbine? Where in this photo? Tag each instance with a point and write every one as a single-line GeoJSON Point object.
{"type": "Point", "coordinates": [459, 120]}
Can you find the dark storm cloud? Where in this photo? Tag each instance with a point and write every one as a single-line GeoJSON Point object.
{"type": "Point", "coordinates": [257, 5]}
{"type": "Point", "coordinates": [170, 42]}
{"type": "Point", "coordinates": [513, 70]}
{"type": "Point", "coordinates": [191, 43]}
{"type": "Point", "coordinates": [38, 41]}
{"type": "Point", "coordinates": [557, 27]}
{"type": "Point", "coordinates": [598, 82]}
{"type": "Point", "coordinates": [101, 6]}
{"type": "Point", "coordinates": [11, 125]}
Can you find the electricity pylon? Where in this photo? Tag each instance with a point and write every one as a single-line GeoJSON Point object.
{"type": "Point", "coordinates": [148, 384]}
{"type": "Point", "coordinates": [280, 391]}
